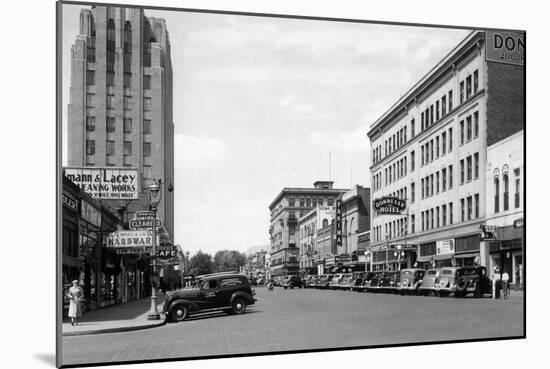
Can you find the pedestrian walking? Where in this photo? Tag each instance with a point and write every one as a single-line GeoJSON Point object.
{"type": "Point", "coordinates": [505, 285]}
{"type": "Point", "coordinates": [75, 296]}
{"type": "Point", "coordinates": [496, 283]}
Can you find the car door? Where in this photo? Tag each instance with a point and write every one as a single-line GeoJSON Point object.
{"type": "Point", "coordinates": [209, 294]}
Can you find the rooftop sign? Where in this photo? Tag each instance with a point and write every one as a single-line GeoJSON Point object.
{"type": "Point", "coordinates": [505, 47]}
{"type": "Point", "coordinates": [106, 183]}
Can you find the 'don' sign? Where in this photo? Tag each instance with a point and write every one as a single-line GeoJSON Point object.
{"type": "Point", "coordinates": [505, 47]}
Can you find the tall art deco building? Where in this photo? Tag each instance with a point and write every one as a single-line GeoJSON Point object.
{"type": "Point", "coordinates": [120, 109]}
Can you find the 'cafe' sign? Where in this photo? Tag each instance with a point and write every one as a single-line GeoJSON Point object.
{"type": "Point", "coordinates": [389, 205]}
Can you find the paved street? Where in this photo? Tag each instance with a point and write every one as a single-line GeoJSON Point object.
{"type": "Point", "coordinates": [308, 319]}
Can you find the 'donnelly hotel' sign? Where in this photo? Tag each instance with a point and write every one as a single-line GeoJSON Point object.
{"type": "Point", "coordinates": [389, 205]}
{"type": "Point", "coordinates": [106, 183]}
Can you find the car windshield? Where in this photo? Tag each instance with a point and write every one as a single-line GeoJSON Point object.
{"type": "Point", "coordinates": [467, 272]}
{"type": "Point", "coordinates": [447, 272]}
{"type": "Point", "coordinates": [432, 272]}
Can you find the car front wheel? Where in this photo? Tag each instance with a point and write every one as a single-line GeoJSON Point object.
{"type": "Point", "coordinates": [238, 306]}
{"type": "Point", "coordinates": [179, 313]}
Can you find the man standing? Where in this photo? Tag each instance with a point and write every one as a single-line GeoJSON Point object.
{"type": "Point", "coordinates": [496, 283]}
{"type": "Point", "coordinates": [505, 285]}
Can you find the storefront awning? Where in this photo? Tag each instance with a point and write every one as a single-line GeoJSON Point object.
{"type": "Point", "coordinates": [443, 256]}
{"type": "Point", "coordinates": [467, 255]}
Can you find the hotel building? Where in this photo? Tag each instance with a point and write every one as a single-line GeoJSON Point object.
{"type": "Point", "coordinates": [430, 149]}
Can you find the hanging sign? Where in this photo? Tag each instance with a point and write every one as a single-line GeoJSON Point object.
{"type": "Point", "coordinates": [389, 205]}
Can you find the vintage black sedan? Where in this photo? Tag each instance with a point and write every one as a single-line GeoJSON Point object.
{"type": "Point", "coordinates": [229, 292]}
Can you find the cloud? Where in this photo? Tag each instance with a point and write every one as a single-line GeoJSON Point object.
{"type": "Point", "coordinates": [346, 141]}
{"type": "Point", "coordinates": [197, 149]}
{"type": "Point", "coordinates": [296, 104]}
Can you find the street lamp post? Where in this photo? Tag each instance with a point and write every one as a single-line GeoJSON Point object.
{"type": "Point", "coordinates": [154, 200]}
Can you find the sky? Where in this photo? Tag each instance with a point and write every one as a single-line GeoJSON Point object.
{"type": "Point", "coordinates": [260, 102]}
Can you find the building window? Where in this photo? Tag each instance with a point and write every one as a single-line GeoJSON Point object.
{"type": "Point", "coordinates": [90, 77]}
{"type": "Point", "coordinates": [468, 87]}
{"type": "Point", "coordinates": [330, 202]}
{"type": "Point", "coordinates": [127, 148]}
{"type": "Point", "coordinates": [147, 173]}
{"type": "Point", "coordinates": [497, 191]}
{"type": "Point", "coordinates": [462, 132]}
{"type": "Point", "coordinates": [147, 103]}
{"type": "Point", "coordinates": [469, 128]}
{"type": "Point", "coordinates": [432, 218]}
{"type": "Point", "coordinates": [450, 103]}
{"type": "Point", "coordinates": [461, 92]}
{"type": "Point", "coordinates": [437, 147]}
{"type": "Point", "coordinates": [436, 111]}
{"type": "Point", "coordinates": [127, 125]}
{"type": "Point", "coordinates": [450, 177]}
{"type": "Point", "coordinates": [302, 202]}
{"type": "Point", "coordinates": [412, 128]}
{"type": "Point", "coordinates": [517, 193]}
{"type": "Point", "coordinates": [450, 139]}
{"type": "Point", "coordinates": [110, 101]}
{"type": "Point", "coordinates": [506, 189]}
{"type": "Point", "coordinates": [308, 203]}
{"type": "Point", "coordinates": [443, 105]}
{"type": "Point", "coordinates": [431, 184]}
{"type": "Point", "coordinates": [90, 147]}
{"type": "Point", "coordinates": [146, 149]}
{"type": "Point", "coordinates": [431, 150]}
{"type": "Point", "coordinates": [469, 207]}
{"type": "Point", "coordinates": [469, 165]}
{"type": "Point", "coordinates": [127, 103]}
{"type": "Point", "coordinates": [463, 210]}
{"type": "Point", "coordinates": [412, 161]}
{"type": "Point", "coordinates": [444, 179]}
{"type": "Point", "coordinates": [412, 192]}
{"type": "Point", "coordinates": [110, 79]}
{"type": "Point", "coordinates": [437, 182]}
{"type": "Point", "coordinates": [146, 82]}
{"type": "Point", "coordinates": [291, 202]}
{"type": "Point", "coordinates": [476, 200]}
{"type": "Point", "coordinates": [422, 188]}
{"type": "Point", "coordinates": [437, 216]}
{"type": "Point", "coordinates": [422, 127]}
{"type": "Point", "coordinates": [146, 126]}
{"type": "Point", "coordinates": [443, 143]}
{"type": "Point", "coordinates": [90, 100]}
{"type": "Point", "coordinates": [110, 124]}
{"type": "Point", "coordinates": [110, 148]}
{"type": "Point", "coordinates": [462, 171]}
{"type": "Point", "coordinates": [91, 45]}
{"type": "Point", "coordinates": [111, 45]}
{"type": "Point", "coordinates": [476, 81]}
{"type": "Point", "coordinates": [444, 215]}
{"type": "Point", "coordinates": [450, 213]}
{"type": "Point", "coordinates": [476, 124]}
{"type": "Point", "coordinates": [476, 165]}
{"type": "Point", "coordinates": [412, 223]}
{"type": "Point", "coordinates": [432, 115]}
{"type": "Point", "coordinates": [422, 157]}
{"type": "Point", "coordinates": [90, 124]}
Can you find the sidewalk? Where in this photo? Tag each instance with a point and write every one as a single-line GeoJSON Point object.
{"type": "Point", "coordinates": [118, 318]}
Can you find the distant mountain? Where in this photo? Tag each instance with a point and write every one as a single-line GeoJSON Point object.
{"type": "Point", "coordinates": [255, 249]}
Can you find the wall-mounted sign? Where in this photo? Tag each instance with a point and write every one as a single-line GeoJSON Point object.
{"type": "Point", "coordinates": [389, 205]}
{"type": "Point", "coordinates": [488, 232]}
{"type": "Point", "coordinates": [69, 202]}
{"type": "Point", "coordinates": [129, 239]}
{"type": "Point", "coordinates": [90, 214]}
{"type": "Point", "coordinates": [518, 223]}
{"type": "Point", "coordinates": [144, 220]}
{"type": "Point", "coordinates": [505, 47]}
{"type": "Point", "coordinates": [445, 247]}
{"type": "Point", "coordinates": [338, 222]}
{"type": "Point", "coordinates": [166, 252]}
{"type": "Point", "coordinates": [106, 183]}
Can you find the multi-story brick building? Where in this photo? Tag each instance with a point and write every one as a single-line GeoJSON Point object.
{"type": "Point", "coordinates": [289, 205]}
{"type": "Point", "coordinates": [313, 253]}
{"type": "Point", "coordinates": [430, 149]}
{"type": "Point", "coordinates": [120, 109]}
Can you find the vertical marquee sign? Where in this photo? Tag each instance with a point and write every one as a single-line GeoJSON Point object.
{"type": "Point", "coordinates": [338, 222]}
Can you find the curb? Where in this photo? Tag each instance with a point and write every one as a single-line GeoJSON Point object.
{"type": "Point", "coordinates": [114, 329]}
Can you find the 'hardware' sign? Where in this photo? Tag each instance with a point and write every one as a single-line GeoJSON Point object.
{"type": "Point", "coordinates": [389, 205]}
{"type": "Point", "coordinates": [131, 239]}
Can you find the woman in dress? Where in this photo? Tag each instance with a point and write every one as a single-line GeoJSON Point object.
{"type": "Point", "coordinates": [75, 295]}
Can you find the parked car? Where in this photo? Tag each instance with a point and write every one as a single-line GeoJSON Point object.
{"type": "Point", "coordinates": [472, 279]}
{"type": "Point", "coordinates": [411, 279]}
{"type": "Point", "coordinates": [311, 281]}
{"type": "Point", "coordinates": [374, 284]}
{"type": "Point", "coordinates": [363, 282]}
{"type": "Point", "coordinates": [278, 280]}
{"type": "Point", "coordinates": [229, 292]}
{"type": "Point", "coordinates": [445, 283]}
{"type": "Point", "coordinates": [388, 281]}
{"type": "Point", "coordinates": [358, 279]}
{"type": "Point", "coordinates": [335, 281]}
{"type": "Point", "coordinates": [324, 281]}
{"type": "Point", "coordinates": [344, 282]}
{"type": "Point", "coordinates": [292, 281]}
{"type": "Point", "coordinates": [349, 281]}
{"type": "Point", "coordinates": [428, 282]}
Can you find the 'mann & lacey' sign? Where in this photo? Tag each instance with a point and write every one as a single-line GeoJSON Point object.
{"type": "Point", "coordinates": [389, 205]}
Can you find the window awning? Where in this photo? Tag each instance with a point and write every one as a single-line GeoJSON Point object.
{"type": "Point", "coordinates": [467, 255]}
{"type": "Point", "coordinates": [443, 256]}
